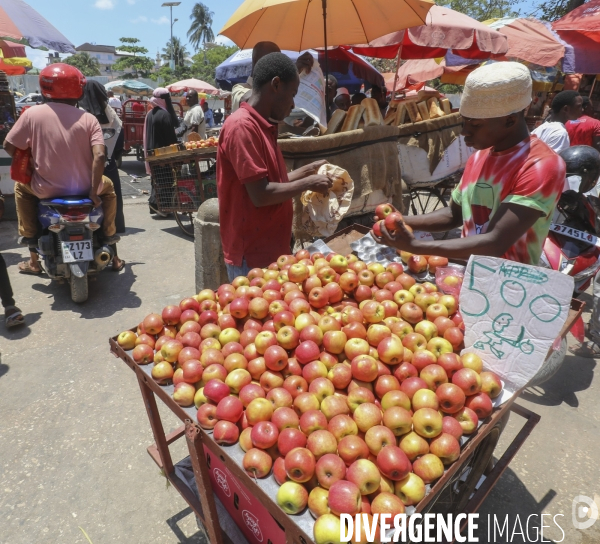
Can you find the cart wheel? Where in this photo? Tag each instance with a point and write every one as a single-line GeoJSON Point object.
{"type": "Point", "coordinates": [455, 495]}
{"type": "Point", "coordinates": [185, 220]}
{"type": "Point", "coordinates": [426, 200]}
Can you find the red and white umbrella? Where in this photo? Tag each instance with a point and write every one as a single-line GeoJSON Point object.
{"type": "Point", "coordinates": [195, 84]}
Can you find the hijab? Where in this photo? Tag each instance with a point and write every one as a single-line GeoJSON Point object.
{"type": "Point", "coordinates": [94, 100]}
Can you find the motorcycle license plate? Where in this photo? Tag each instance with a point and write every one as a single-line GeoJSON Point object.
{"type": "Point", "coordinates": [77, 251]}
{"type": "Point", "coordinates": [574, 233]}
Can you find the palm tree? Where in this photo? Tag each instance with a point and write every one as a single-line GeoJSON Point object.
{"type": "Point", "coordinates": [200, 31]}
{"type": "Point", "coordinates": [89, 66]}
{"type": "Point", "coordinates": [179, 52]}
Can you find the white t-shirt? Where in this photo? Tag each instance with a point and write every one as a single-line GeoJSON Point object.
{"type": "Point", "coordinates": [195, 116]}
{"type": "Point", "coordinates": [554, 135]}
{"type": "Point", "coordinates": [114, 102]}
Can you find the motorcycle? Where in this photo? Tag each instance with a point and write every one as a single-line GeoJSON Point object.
{"type": "Point", "coordinates": [71, 245]}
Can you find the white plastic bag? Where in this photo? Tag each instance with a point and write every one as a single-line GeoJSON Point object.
{"type": "Point", "coordinates": [321, 214]}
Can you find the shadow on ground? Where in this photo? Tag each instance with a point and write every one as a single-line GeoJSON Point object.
{"type": "Point", "coordinates": [198, 538]}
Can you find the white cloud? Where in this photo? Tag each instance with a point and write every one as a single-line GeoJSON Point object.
{"type": "Point", "coordinates": [161, 21]}
{"type": "Point", "coordinates": [222, 40]}
{"type": "Point", "coordinates": [140, 19]}
{"type": "Point", "coordinates": [39, 58]}
{"type": "Point", "coordinates": [104, 4]}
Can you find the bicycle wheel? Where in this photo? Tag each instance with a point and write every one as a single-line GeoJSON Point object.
{"type": "Point", "coordinates": [185, 219]}
{"type": "Point", "coordinates": [426, 200]}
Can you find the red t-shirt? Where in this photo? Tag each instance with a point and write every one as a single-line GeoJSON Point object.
{"type": "Point", "coordinates": [582, 130]}
{"type": "Point", "coordinates": [248, 152]}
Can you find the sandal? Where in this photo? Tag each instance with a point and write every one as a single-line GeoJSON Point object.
{"type": "Point", "coordinates": [13, 317]}
{"type": "Point", "coordinates": [121, 266]}
{"type": "Point", "coordinates": [25, 268]}
{"type": "Point", "coordinates": [588, 350]}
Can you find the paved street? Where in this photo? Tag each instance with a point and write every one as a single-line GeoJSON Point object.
{"type": "Point", "coordinates": [74, 431]}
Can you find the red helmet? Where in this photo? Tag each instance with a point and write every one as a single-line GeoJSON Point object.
{"type": "Point", "coordinates": [62, 81]}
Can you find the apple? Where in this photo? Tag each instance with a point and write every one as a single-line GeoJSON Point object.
{"type": "Point", "coordinates": [226, 433]}
{"type": "Point", "coordinates": [383, 210]}
{"type": "Point", "coordinates": [386, 383]}
{"type": "Point", "coordinates": [436, 262]}
{"type": "Point", "coordinates": [425, 398]}
{"type": "Point", "coordinates": [264, 435]}
{"type": "Point", "coordinates": [215, 390]}
{"type": "Point", "coordinates": [436, 310]}
{"type": "Point", "coordinates": [417, 264]}
{"type": "Point", "coordinates": [280, 397]}
{"type": "Point", "coordinates": [295, 385]}
{"type": "Point", "coordinates": [258, 410]}
{"type": "Point", "coordinates": [414, 342]}
{"type": "Point", "coordinates": [245, 441]}
{"type": "Point", "coordinates": [306, 352]}
{"type": "Point", "coordinates": [287, 337]}
{"type": "Point", "coordinates": [395, 398]}
{"type": "Point", "coordinates": [312, 420]}
{"type": "Point", "coordinates": [378, 437]}
{"type": "Point", "coordinates": [413, 445]}
{"type": "Point", "coordinates": [411, 385]}
{"type": "Point", "coordinates": [452, 426]}
{"type": "Point", "coordinates": [207, 416]}
{"type": "Point", "coordinates": [229, 409]}
{"type": "Point", "coordinates": [233, 335]}
{"type": "Point", "coordinates": [455, 336]}
{"type": "Point", "coordinates": [199, 398]}
{"type": "Point", "coordinates": [350, 314]}
{"type": "Point", "coordinates": [410, 490]}
{"type": "Point", "coordinates": [143, 354]}
{"type": "Point", "coordinates": [434, 376]}
{"type": "Point", "coordinates": [153, 324]}
{"type": "Point", "coordinates": [429, 468]}
{"type": "Point", "coordinates": [364, 368]}
{"type": "Point", "coordinates": [341, 426]}
{"type": "Point", "coordinates": [321, 443]}
{"type": "Point", "coordinates": [127, 339]}
{"type": "Point", "coordinates": [318, 502]}
{"type": "Point", "coordinates": [481, 404]}
{"type": "Point", "coordinates": [329, 323]}
{"type": "Point", "coordinates": [348, 281]}
{"type": "Point", "coordinates": [366, 415]}
{"type": "Point", "coordinates": [405, 370]}
{"type": "Point", "coordinates": [183, 394]}
{"type": "Point", "coordinates": [327, 529]}
{"type": "Point", "coordinates": [314, 370]}
{"type": "Point", "coordinates": [250, 392]}
{"type": "Point", "coordinates": [271, 379]}
{"type": "Point", "coordinates": [352, 448]}
{"type": "Point", "coordinates": [289, 439]}
{"type": "Point", "coordinates": [393, 463]}
{"type": "Point", "coordinates": [339, 263]}
{"type": "Point", "coordinates": [334, 341]}
{"type": "Point", "coordinates": [387, 503]}
{"type": "Point", "coordinates": [446, 447]}
{"type": "Point", "coordinates": [235, 361]}
{"type": "Point", "coordinates": [472, 361]}
{"type": "Point", "coordinates": [214, 372]}
{"type": "Point", "coordinates": [300, 465]}
{"type": "Point", "coordinates": [210, 330]}
{"type": "Point", "coordinates": [333, 405]}
{"type": "Point", "coordinates": [442, 324]}
{"type": "Point", "coordinates": [468, 380]}
{"type": "Point", "coordinates": [305, 402]}
{"type": "Point", "coordinates": [491, 384]}
{"type": "Point", "coordinates": [365, 475]}
{"type": "Point", "coordinates": [256, 367]}
{"type": "Point", "coordinates": [468, 420]}
{"type": "Point", "coordinates": [340, 375]}
{"type": "Point", "coordinates": [450, 362]}
{"type": "Point", "coordinates": [373, 312]}
{"type": "Point", "coordinates": [264, 340]}
{"type": "Point", "coordinates": [355, 347]}
{"type": "Point", "coordinates": [449, 301]}
{"type": "Point", "coordinates": [422, 359]}
{"type": "Point", "coordinates": [398, 419]}
{"type": "Point", "coordinates": [427, 422]}
{"type": "Point", "coordinates": [285, 418]}
{"type": "Point", "coordinates": [437, 346]}
{"type": "Point", "coordinates": [292, 497]}
{"type": "Point", "coordinates": [358, 396]}
{"type": "Point", "coordinates": [391, 350]}
{"type": "Point", "coordinates": [297, 273]}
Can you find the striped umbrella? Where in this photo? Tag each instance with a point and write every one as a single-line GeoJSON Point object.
{"type": "Point", "coordinates": [20, 23]}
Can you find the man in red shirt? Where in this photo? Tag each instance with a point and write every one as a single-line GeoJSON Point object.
{"type": "Point", "coordinates": [255, 190]}
{"type": "Point", "coordinates": [586, 129]}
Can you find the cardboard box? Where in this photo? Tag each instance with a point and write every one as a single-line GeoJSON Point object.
{"type": "Point", "coordinates": [255, 521]}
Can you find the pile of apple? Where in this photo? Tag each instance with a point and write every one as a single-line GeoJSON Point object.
{"type": "Point", "coordinates": [213, 141]}
{"type": "Point", "coordinates": [341, 379]}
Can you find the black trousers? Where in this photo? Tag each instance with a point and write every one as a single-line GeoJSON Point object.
{"type": "Point", "coordinates": [6, 292]}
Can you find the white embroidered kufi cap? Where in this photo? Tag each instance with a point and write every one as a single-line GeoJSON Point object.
{"type": "Point", "coordinates": [496, 90]}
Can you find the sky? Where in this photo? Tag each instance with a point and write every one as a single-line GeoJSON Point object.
{"type": "Point", "coordinates": [105, 21]}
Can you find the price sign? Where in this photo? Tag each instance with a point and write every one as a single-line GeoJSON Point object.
{"type": "Point", "coordinates": [513, 313]}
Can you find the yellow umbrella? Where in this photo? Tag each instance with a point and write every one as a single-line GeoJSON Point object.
{"type": "Point", "coordinates": [297, 25]}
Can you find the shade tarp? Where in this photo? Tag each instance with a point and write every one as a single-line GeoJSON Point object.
{"type": "Point", "coordinates": [584, 20]}
{"type": "Point", "coordinates": [297, 25]}
{"type": "Point", "coordinates": [444, 29]}
{"type": "Point", "coordinates": [196, 84]}
{"type": "Point", "coordinates": [129, 85]}
{"type": "Point", "coordinates": [20, 23]}
{"type": "Point", "coordinates": [350, 70]}
{"type": "Point", "coordinates": [419, 70]}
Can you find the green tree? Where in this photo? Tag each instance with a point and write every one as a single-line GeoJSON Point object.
{"type": "Point", "coordinates": [179, 52]}
{"type": "Point", "coordinates": [555, 9]}
{"type": "Point", "coordinates": [204, 63]}
{"type": "Point", "coordinates": [201, 28]}
{"type": "Point", "coordinates": [484, 9]}
{"type": "Point", "coordinates": [138, 64]}
{"type": "Point", "coordinates": [88, 66]}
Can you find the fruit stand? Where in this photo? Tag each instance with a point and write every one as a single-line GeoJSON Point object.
{"type": "Point", "coordinates": [232, 440]}
{"type": "Point", "coordinates": [182, 180]}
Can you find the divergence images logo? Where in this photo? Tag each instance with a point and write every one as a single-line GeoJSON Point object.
{"type": "Point", "coordinates": [252, 523]}
{"type": "Point", "coordinates": [222, 481]}
{"type": "Point", "coordinates": [585, 511]}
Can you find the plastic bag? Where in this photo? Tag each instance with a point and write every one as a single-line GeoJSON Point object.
{"type": "Point", "coordinates": [311, 94]}
{"type": "Point", "coordinates": [20, 167]}
{"type": "Point", "coordinates": [449, 279]}
{"type": "Point", "coordinates": [321, 214]}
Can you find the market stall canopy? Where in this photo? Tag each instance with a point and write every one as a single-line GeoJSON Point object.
{"type": "Point", "coordinates": [349, 69]}
{"type": "Point", "coordinates": [20, 23]}
{"type": "Point", "coordinates": [529, 40]}
{"type": "Point", "coordinates": [297, 25]}
{"type": "Point", "coordinates": [12, 69]}
{"type": "Point", "coordinates": [196, 84]}
{"type": "Point", "coordinates": [581, 29]}
{"type": "Point", "coordinates": [138, 88]}
{"type": "Point", "coordinates": [444, 30]}
{"type": "Point", "coordinates": [416, 71]}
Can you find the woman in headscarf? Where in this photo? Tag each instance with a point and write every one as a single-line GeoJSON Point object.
{"type": "Point", "coordinates": [161, 129]}
{"type": "Point", "coordinates": [95, 101]}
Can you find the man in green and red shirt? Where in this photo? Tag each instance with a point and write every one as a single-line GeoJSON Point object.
{"type": "Point", "coordinates": [254, 187]}
{"type": "Point", "coordinates": [510, 186]}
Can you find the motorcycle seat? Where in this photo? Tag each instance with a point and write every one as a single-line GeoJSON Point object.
{"type": "Point", "coordinates": [67, 201]}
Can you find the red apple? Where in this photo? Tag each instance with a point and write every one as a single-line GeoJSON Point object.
{"type": "Point", "coordinates": [468, 380]}
{"type": "Point", "coordinates": [289, 439]}
{"type": "Point", "coordinates": [452, 426]}
{"type": "Point", "coordinates": [311, 421]}
{"type": "Point", "coordinates": [393, 463]}
{"type": "Point", "coordinates": [451, 397]}
{"type": "Point", "coordinates": [344, 498]}
{"type": "Point", "coordinates": [481, 404]}
{"type": "Point", "coordinates": [300, 465]}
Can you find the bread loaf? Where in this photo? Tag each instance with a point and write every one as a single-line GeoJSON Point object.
{"type": "Point", "coordinates": [372, 114]}
{"type": "Point", "coordinates": [353, 117]}
{"type": "Point", "coordinates": [401, 114]}
{"type": "Point", "coordinates": [434, 109]}
{"type": "Point", "coordinates": [413, 111]}
{"type": "Point", "coordinates": [336, 122]}
{"type": "Point", "coordinates": [390, 118]}
{"type": "Point", "coordinates": [423, 110]}
{"type": "Point", "coordinates": [446, 106]}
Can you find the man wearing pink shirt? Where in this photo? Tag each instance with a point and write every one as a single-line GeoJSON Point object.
{"type": "Point", "coordinates": [67, 154]}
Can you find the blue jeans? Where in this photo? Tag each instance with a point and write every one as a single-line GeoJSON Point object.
{"type": "Point", "coordinates": [235, 271]}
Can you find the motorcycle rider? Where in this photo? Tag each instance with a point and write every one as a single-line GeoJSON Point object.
{"type": "Point", "coordinates": [67, 156]}
{"type": "Point", "coordinates": [583, 172]}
